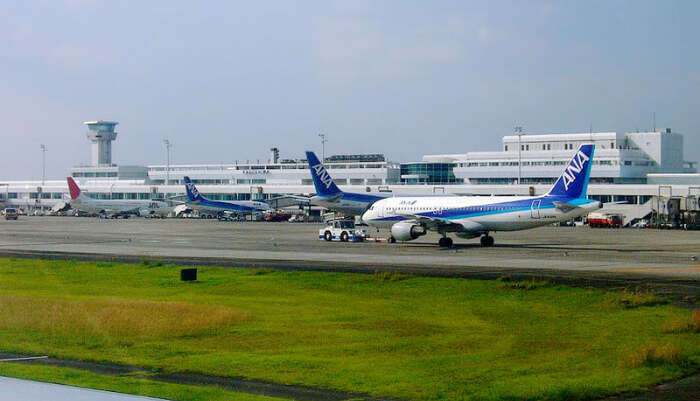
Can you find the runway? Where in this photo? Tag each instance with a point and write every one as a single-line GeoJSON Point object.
{"type": "Point", "coordinates": [615, 256]}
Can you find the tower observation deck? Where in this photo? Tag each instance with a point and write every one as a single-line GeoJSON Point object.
{"type": "Point", "coordinates": [101, 134]}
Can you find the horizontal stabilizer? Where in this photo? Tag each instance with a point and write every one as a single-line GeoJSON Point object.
{"type": "Point", "coordinates": [564, 206]}
{"type": "Point", "coordinates": [333, 198]}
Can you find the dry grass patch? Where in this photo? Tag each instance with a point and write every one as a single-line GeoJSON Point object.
{"type": "Point", "coordinates": [685, 325]}
{"type": "Point", "coordinates": [635, 299]}
{"type": "Point", "coordinates": [127, 319]}
{"type": "Point", "coordinates": [650, 354]}
{"type": "Point", "coordinates": [390, 276]}
{"type": "Point", "coordinates": [507, 283]}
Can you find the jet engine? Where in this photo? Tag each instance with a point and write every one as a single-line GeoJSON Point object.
{"type": "Point", "coordinates": [407, 231]}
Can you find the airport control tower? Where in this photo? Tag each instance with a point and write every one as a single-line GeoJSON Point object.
{"type": "Point", "coordinates": [101, 133]}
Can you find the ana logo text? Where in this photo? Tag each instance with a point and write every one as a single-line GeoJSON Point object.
{"type": "Point", "coordinates": [572, 170]}
{"type": "Point", "coordinates": [323, 175]}
{"type": "Point", "coordinates": [193, 190]}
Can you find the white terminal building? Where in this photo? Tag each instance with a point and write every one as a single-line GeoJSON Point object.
{"type": "Point", "coordinates": [630, 167]}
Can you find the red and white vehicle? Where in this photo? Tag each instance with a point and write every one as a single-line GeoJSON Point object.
{"type": "Point", "coordinates": [604, 220]}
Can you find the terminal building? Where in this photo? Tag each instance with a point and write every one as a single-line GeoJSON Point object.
{"type": "Point", "coordinates": [539, 159]}
{"type": "Point", "coordinates": [630, 167]}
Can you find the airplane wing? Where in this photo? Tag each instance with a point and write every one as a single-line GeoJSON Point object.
{"type": "Point", "coordinates": [171, 201]}
{"type": "Point", "coordinates": [178, 198]}
{"type": "Point", "coordinates": [288, 200]}
{"type": "Point", "coordinates": [333, 198]}
{"type": "Point", "coordinates": [438, 223]}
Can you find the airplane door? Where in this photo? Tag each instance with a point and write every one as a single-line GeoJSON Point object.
{"type": "Point", "coordinates": [535, 209]}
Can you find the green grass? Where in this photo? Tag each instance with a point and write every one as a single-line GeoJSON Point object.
{"type": "Point", "coordinates": [388, 335]}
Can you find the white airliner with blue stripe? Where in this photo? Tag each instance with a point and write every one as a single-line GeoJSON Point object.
{"type": "Point", "coordinates": [198, 201]}
{"type": "Point", "coordinates": [328, 194]}
{"type": "Point", "coordinates": [474, 216]}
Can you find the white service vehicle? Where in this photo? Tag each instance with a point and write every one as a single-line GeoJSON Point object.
{"type": "Point", "coordinates": [341, 230]}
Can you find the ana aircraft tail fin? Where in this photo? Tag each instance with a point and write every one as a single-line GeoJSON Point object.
{"type": "Point", "coordinates": [323, 182]}
{"type": "Point", "coordinates": [192, 192]}
{"type": "Point", "coordinates": [573, 181]}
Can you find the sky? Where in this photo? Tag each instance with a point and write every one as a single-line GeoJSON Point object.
{"type": "Point", "coordinates": [225, 81]}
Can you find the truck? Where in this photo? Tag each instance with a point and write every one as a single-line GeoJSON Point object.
{"type": "Point", "coordinates": [604, 220]}
{"type": "Point", "coordinates": [341, 230]}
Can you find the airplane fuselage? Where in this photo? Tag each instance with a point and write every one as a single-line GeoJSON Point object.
{"type": "Point", "coordinates": [238, 207]}
{"type": "Point", "coordinates": [479, 214]}
{"type": "Point", "coordinates": [120, 206]}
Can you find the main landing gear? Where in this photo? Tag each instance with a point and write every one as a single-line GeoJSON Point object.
{"type": "Point", "coordinates": [487, 240]}
{"type": "Point", "coordinates": [445, 242]}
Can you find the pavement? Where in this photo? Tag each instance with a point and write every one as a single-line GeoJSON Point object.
{"type": "Point", "coordinates": [16, 389]}
{"type": "Point", "coordinates": [617, 256]}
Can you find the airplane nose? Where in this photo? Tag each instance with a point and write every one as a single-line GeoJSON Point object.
{"type": "Point", "coordinates": [366, 217]}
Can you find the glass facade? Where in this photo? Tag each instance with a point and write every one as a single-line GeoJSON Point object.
{"type": "Point", "coordinates": [429, 173]}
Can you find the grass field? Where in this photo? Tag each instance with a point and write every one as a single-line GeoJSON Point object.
{"type": "Point", "coordinates": [412, 338]}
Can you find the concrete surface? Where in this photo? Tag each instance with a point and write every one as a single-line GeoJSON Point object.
{"type": "Point", "coordinates": [26, 390]}
{"type": "Point", "coordinates": [580, 251]}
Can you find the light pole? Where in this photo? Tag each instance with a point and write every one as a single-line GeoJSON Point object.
{"type": "Point", "coordinates": [43, 163]}
{"type": "Point", "coordinates": [323, 147]}
{"type": "Point", "coordinates": [168, 145]}
{"type": "Point", "coordinates": [519, 132]}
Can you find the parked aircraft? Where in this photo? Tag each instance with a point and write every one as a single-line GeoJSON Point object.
{"type": "Point", "coordinates": [115, 207]}
{"type": "Point", "coordinates": [474, 216]}
{"type": "Point", "coordinates": [328, 194]}
{"type": "Point", "coordinates": [196, 200]}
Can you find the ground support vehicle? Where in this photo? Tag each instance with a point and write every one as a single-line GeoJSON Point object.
{"type": "Point", "coordinates": [341, 230]}
{"type": "Point", "coordinates": [10, 213]}
{"type": "Point", "coordinates": [604, 220]}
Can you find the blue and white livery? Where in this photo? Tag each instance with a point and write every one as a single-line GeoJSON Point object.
{"type": "Point", "coordinates": [328, 194]}
{"type": "Point", "coordinates": [474, 216]}
{"type": "Point", "coordinates": [198, 201]}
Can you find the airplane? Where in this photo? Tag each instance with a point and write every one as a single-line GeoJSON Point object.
{"type": "Point", "coordinates": [472, 216]}
{"type": "Point", "coordinates": [328, 194]}
{"type": "Point", "coordinates": [196, 200]}
{"type": "Point", "coordinates": [115, 207]}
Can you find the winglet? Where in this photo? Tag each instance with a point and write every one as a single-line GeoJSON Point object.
{"type": "Point", "coordinates": [573, 182]}
{"type": "Point", "coordinates": [73, 188]}
{"type": "Point", "coordinates": [323, 182]}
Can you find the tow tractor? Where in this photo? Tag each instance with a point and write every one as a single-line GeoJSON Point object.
{"type": "Point", "coordinates": [341, 230]}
